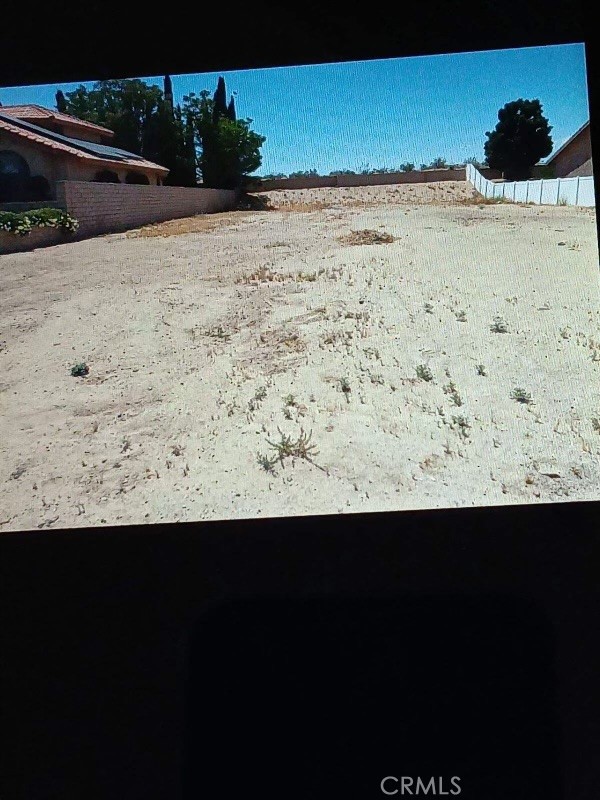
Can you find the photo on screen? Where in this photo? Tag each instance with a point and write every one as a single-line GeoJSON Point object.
{"type": "Point", "coordinates": [325, 289]}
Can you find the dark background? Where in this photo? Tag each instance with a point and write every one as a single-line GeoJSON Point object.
{"type": "Point", "coordinates": [299, 658]}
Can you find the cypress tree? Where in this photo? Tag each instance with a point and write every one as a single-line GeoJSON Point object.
{"type": "Point", "coordinates": [231, 110]}
{"type": "Point", "coordinates": [168, 91]}
{"type": "Point", "coordinates": [61, 103]}
{"type": "Point", "coordinates": [220, 100]}
{"type": "Point", "coordinates": [190, 151]}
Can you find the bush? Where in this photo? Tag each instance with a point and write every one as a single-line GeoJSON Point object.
{"type": "Point", "coordinates": [25, 221]}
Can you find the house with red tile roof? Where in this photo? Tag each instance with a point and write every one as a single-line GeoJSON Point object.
{"type": "Point", "coordinates": [40, 147]}
{"type": "Point", "coordinates": [58, 122]}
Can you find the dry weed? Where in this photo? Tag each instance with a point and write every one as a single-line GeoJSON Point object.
{"type": "Point", "coordinates": [367, 236]}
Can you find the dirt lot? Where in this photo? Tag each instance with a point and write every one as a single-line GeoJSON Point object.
{"type": "Point", "coordinates": [386, 368]}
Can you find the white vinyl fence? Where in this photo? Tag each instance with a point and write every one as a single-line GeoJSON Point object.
{"type": "Point", "coordinates": [554, 191]}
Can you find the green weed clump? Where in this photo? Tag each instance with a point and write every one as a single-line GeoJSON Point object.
{"type": "Point", "coordinates": [79, 370]}
{"type": "Point", "coordinates": [521, 396]}
{"type": "Point", "coordinates": [499, 326]}
{"type": "Point", "coordinates": [424, 373]}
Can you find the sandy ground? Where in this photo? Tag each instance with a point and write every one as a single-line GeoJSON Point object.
{"type": "Point", "coordinates": [197, 365]}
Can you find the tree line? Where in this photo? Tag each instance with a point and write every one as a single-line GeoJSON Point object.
{"type": "Point", "coordinates": [517, 143]}
{"type": "Point", "coordinates": [437, 163]}
{"type": "Point", "coordinates": [203, 140]}
{"type": "Point", "coordinates": [199, 140]}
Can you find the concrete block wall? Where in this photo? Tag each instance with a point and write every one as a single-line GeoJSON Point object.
{"type": "Point", "coordinates": [109, 207]}
{"type": "Point", "coordinates": [381, 179]}
{"type": "Point", "coordinates": [38, 237]}
{"type": "Point", "coordinates": [390, 178]}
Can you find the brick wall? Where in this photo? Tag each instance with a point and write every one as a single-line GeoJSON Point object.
{"type": "Point", "coordinates": [38, 237]}
{"type": "Point", "coordinates": [109, 207]}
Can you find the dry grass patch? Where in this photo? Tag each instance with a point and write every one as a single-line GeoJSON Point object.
{"type": "Point", "coordinates": [303, 207]}
{"type": "Point", "coordinates": [261, 275]}
{"type": "Point", "coordinates": [367, 236]}
{"type": "Point", "coordinates": [309, 206]}
{"type": "Point", "coordinates": [201, 223]}
{"type": "Point", "coordinates": [480, 200]}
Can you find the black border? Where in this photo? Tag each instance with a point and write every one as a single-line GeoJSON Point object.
{"type": "Point", "coordinates": [95, 623]}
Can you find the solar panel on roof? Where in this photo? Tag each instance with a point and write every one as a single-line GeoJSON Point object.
{"type": "Point", "coordinates": [104, 149]}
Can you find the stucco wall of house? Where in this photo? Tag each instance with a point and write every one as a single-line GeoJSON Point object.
{"type": "Point", "coordinates": [109, 207]}
{"type": "Point", "coordinates": [575, 155]}
{"type": "Point", "coordinates": [57, 166]}
{"type": "Point", "coordinates": [40, 161]}
{"type": "Point", "coordinates": [584, 170]}
{"type": "Point", "coordinates": [74, 169]}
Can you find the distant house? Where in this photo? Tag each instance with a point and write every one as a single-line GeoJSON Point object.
{"type": "Point", "coordinates": [39, 147]}
{"type": "Point", "coordinates": [574, 158]}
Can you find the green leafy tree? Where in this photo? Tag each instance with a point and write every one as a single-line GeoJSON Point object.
{"type": "Point", "coordinates": [519, 140]}
{"type": "Point", "coordinates": [168, 144]}
{"type": "Point", "coordinates": [476, 162]}
{"type": "Point", "coordinates": [143, 122]}
{"type": "Point", "coordinates": [407, 166]}
{"type": "Point", "coordinates": [229, 149]}
{"type": "Point", "coordinates": [304, 173]}
{"type": "Point", "coordinates": [127, 107]}
{"type": "Point", "coordinates": [437, 163]}
{"type": "Point", "coordinates": [342, 172]}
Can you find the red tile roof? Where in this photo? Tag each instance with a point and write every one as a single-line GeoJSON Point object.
{"type": "Point", "coordinates": [46, 141]}
{"type": "Point", "coordinates": [33, 112]}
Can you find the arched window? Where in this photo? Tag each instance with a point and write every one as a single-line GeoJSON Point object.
{"type": "Point", "coordinates": [12, 163]}
{"type": "Point", "coordinates": [14, 176]}
{"type": "Point", "coordinates": [106, 176]}
{"type": "Point", "coordinates": [137, 177]}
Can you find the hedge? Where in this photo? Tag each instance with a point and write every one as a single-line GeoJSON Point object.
{"type": "Point", "coordinates": [21, 223]}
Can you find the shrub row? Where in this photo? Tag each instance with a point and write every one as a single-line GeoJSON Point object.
{"type": "Point", "coordinates": [21, 223]}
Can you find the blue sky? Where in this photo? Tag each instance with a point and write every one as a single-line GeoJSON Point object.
{"type": "Point", "coordinates": [369, 114]}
